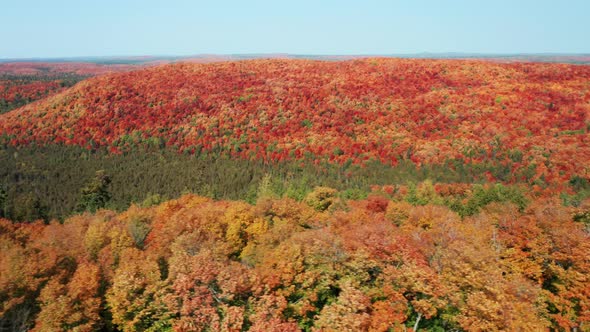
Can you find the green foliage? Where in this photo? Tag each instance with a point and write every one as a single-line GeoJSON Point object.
{"type": "Point", "coordinates": [573, 132]}
{"type": "Point", "coordinates": [583, 217]}
{"type": "Point", "coordinates": [264, 188]}
{"type": "Point", "coordinates": [306, 123]}
{"type": "Point", "coordinates": [574, 199]}
{"type": "Point", "coordinates": [26, 207]}
{"type": "Point", "coordinates": [243, 99]}
{"type": "Point", "coordinates": [297, 190]}
{"type": "Point", "coordinates": [56, 174]}
{"type": "Point", "coordinates": [579, 183]}
{"type": "Point", "coordinates": [515, 155]}
{"type": "Point", "coordinates": [354, 194]}
{"type": "Point", "coordinates": [423, 194]}
{"type": "Point", "coordinates": [3, 198]}
{"type": "Point", "coordinates": [581, 188]}
{"type": "Point", "coordinates": [95, 195]}
{"type": "Point", "coordinates": [484, 195]}
{"type": "Point", "coordinates": [152, 199]}
{"type": "Point", "coordinates": [338, 152]}
{"type": "Point", "coordinates": [139, 227]}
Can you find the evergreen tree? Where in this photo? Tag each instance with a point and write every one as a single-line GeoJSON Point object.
{"type": "Point", "coordinates": [25, 207]}
{"type": "Point", "coordinates": [95, 195]}
{"type": "Point", "coordinates": [3, 198]}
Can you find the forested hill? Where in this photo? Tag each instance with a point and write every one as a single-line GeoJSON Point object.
{"type": "Point", "coordinates": [23, 82]}
{"type": "Point", "coordinates": [528, 119]}
{"type": "Point", "coordinates": [362, 195]}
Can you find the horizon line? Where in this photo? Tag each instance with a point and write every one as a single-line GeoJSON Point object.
{"type": "Point", "coordinates": [279, 54]}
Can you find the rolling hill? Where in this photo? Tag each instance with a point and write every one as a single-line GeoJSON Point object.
{"type": "Point", "coordinates": [23, 82]}
{"type": "Point", "coordinates": [530, 119]}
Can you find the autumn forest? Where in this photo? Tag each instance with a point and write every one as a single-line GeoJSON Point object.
{"type": "Point", "coordinates": [362, 194]}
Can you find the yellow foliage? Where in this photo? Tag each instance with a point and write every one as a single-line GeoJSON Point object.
{"type": "Point", "coordinates": [242, 225]}
{"type": "Point", "coordinates": [321, 198]}
{"type": "Point", "coordinates": [398, 212]}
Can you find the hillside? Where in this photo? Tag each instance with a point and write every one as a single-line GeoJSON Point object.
{"type": "Point", "coordinates": [291, 125]}
{"type": "Point", "coordinates": [531, 119]}
{"type": "Point", "coordinates": [24, 82]}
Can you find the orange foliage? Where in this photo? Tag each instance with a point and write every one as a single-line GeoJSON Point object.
{"type": "Point", "coordinates": [373, 265]}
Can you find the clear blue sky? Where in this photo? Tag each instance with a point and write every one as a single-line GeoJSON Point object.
{"type": "Point", "coordinates": [60, 28]}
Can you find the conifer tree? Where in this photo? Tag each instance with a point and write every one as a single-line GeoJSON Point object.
{"type": "Point", "coordinates": [95, 195]}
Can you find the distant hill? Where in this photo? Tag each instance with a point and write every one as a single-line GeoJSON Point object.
{"type": "Point", "coordinates": [529, 118]}
{"type": "Point", "coordinates": [23, 82]}
{"type": "Point", "coordinates": [205, 58]}
{"type": "Point", "coordinates": [47, 68]}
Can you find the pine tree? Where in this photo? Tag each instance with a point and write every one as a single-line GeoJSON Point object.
{"type": "Point", "coordinates": [3, 197]}
{"type": "Point", "coordinates": [95, 195]}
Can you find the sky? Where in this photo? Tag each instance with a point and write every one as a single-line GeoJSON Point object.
{"type": "Point", "coordinates": [70, 28]}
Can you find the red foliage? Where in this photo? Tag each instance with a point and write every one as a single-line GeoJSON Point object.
{"type": "Point", "coordinates": [376, 203]}
{"type": "Point", "coordinates": [518, 115]}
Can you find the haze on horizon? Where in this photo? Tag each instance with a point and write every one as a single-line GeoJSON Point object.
{"type": "Point", "coordinates": [68, 28]}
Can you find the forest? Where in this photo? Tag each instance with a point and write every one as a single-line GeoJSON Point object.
{"type": "Point", "coordinates": [16, 91]}
{"type": "Point", "coordinates": [390, 262]}
{"type": "Point", "coordinates": [216, 129]}
{"type": "Point", "coordinates": [370, 194]}
{"type": "Point", "coordinates": [45, 182]}
{"type": "Point", "coordinates": [24, 82]}
{"type": "Point", "coordinates": [528, 117]}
